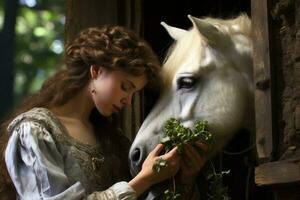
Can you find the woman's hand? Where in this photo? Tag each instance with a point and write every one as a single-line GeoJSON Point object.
{"type": "Point", "coordinates": [148, 177]}
{"type": "Point", "coordinates": [192, 162]}
{"type": "Point", "coordinates": [173, 164]}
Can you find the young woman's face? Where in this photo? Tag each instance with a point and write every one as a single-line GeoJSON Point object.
{"type": "Point", "coordinates": [113, 90]}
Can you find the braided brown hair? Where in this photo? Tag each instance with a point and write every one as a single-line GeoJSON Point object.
{"type": "Point", "coordinates": [112, 47]}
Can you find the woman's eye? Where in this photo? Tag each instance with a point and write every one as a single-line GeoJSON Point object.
{"type": "Point", "coordinates": [125, 87]}
{"type": "Point", "coordinates": [186, 83]}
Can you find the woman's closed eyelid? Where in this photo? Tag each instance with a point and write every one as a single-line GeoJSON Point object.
{"type": "Point", "coordinates": [125, 87]}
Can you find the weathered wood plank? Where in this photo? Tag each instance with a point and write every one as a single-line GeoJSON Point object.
{"type": "Point", "coordinates": [278, 173]}
{"type": "Point", "coordinates": [262, 80]}
{"type": "Point", "coordinates": [83, 14]}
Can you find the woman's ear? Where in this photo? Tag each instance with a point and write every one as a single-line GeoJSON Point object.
{"type": "Point", "coordinates": [95, 71]}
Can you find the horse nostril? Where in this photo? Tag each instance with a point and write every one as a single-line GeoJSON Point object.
{"type": "Point", "coordinates": [136, 160]}
{"type": "Point", "coordinates": [135, 156]}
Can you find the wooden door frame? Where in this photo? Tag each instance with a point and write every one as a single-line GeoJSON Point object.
{"type": "Point", "coordinates": [269, 172]}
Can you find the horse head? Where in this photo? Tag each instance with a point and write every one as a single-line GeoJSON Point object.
{"type": "Point", "coordinates": [207, 75]}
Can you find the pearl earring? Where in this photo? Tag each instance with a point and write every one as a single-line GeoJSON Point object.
{"type": "Point", "coordinates": [93, 88]}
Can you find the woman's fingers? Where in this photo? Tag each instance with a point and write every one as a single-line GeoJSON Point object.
{"type": "Point", "coordinates": [172, 153]}
{"type": "Point", "coordinates": [171, 156]}
{"type": "Point", "coordinates": [202, 146]}
{"type": "Point", "coordinates": [157, 150]}
{"type": "Point", "coordinates": [184, 164]}
{"type": "Point", "coordinates": [192, 156]}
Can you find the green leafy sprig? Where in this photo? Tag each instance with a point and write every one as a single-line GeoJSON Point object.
{"type": "Point", "coordinates": [178, 135]}
{"type": "Point", "coordinates": [216, 190]}
{"type": "Point", "coordinates": [159, 164]}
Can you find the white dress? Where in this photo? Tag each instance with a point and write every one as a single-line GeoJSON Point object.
{"type": "Point", "coordinates": [45, 162]}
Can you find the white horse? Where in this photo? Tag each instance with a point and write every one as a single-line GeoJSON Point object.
{"type": "Point", "coordinates": [207, 76]}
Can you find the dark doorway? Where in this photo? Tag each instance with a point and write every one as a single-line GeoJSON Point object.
{"type": "Point", "coordinates": [175, 14]}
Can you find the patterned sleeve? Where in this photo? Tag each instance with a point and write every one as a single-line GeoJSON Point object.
{"type": "Point", "coordinates": [36, 168]}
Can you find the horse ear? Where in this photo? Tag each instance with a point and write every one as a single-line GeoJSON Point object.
{"type": "Point", "coordinates": [175, 33]}
{"type": "Point", "coordinates": [206, 29]}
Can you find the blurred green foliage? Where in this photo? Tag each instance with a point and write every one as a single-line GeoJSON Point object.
{"type": "Point", "coordinates": [1, 14]}
{"type": "Point", "coordinates": [38, 43]}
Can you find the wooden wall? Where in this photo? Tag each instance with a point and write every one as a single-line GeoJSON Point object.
{"type": "Point", "coordinates": [277, 76]}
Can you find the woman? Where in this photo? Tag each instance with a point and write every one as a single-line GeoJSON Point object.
{"type": "Point", "coordinates": [61, 144]}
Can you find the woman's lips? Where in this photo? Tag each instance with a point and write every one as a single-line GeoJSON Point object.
{"type": "Point", "coordinates": [116, 108]}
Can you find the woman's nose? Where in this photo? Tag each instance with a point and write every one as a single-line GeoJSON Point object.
{"type": "Point", "coordinates": [126, 101]}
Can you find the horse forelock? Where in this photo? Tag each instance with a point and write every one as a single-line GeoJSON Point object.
{"type": "Point", "coordinates": [233, 26]}
{"type": "Point", "coordinates": [179, 52]}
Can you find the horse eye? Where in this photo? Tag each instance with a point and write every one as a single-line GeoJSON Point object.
{"type": "Point", "coordinates": [186, 83]}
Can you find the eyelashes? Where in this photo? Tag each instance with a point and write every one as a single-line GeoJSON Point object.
{"type": "Point", "coordinates": [186, 82]}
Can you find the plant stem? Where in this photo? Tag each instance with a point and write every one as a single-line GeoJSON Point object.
{"type": "Point", "coordinates": [174, 185]}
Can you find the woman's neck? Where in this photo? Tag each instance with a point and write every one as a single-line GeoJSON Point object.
{"type": "Point", "coordinates": [78, 107]}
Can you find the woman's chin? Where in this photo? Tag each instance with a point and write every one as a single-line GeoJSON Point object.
{"type": "Point", "coordinates": [105, 113]}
